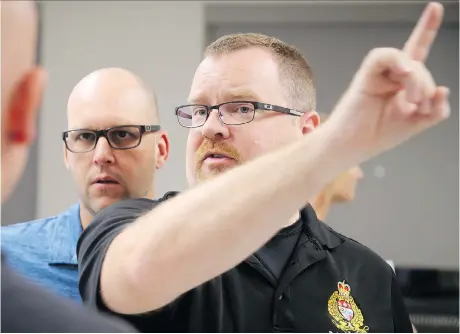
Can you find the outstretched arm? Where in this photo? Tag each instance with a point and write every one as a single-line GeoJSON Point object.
{"type": "Point", "coordinates": [205, 231]}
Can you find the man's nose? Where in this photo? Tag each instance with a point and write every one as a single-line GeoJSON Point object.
{"type": "Point", "coordinates": [214, 128]}
{"type": "Point", "coordinates": [103, 153]}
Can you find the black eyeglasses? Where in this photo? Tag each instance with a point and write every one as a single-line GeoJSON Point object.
{"type": "Point", "coordinates": [122, 137]}
{"type": "Point", "coordinates": [230, 113]}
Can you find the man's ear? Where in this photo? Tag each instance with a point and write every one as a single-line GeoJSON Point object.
{"type": "Point", "coordinates": [309, 121]}
{"type": "Point", "coordinates": [23, 106]}
{"type": "Point", "coordinates": [66, 158]}
{"type": "Point", "coordinates": [162, 148]}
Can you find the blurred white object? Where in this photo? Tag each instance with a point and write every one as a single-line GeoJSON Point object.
{"type": "Point", "coordinates": [392, 265]}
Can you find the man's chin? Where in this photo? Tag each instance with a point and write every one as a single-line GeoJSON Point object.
{"type": "Point", "coordinates": [209, 170]}
{"type": "Point", "coordinates": [99, 204]}
{"type": "Point", "coordinates": [205, 177]}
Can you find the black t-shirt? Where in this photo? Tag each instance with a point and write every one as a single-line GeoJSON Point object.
{"type": "Point", "coordinates": [27, 308]}
{"type": "Point", "coordinates": [330, 284]}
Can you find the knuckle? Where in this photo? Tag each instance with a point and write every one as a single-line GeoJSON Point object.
{"type": "Point", "coordinates": [386, 56]}
{"type": "Point", "coordinates": [378, 53]}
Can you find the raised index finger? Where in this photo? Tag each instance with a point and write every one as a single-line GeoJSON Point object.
{"type": "Point", "coordinates": [419, 43]}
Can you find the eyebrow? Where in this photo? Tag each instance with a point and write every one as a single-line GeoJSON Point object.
{"type": "Point", "coordinates": [195, 99]}
{"type": "Point", "coordinates": [88, 126]}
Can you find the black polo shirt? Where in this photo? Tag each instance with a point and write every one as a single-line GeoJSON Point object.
{"type": "Point", "coordinates": [330, 284]}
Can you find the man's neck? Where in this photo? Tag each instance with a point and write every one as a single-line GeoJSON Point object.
{"type": "Point", "coordinates": [85, 217]}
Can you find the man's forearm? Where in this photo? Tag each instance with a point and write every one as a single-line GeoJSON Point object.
{"type": "Point", "coordinates": [207, 230]}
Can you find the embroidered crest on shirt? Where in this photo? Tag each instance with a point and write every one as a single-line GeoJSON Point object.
{"type": "Point", "coordinates": [345, 314]}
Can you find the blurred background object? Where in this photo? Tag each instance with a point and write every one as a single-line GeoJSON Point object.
{"type": "Point", "coordinates": [432, 298]}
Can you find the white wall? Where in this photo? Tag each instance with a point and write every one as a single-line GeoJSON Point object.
{"type": "Point", "coordinates": [158, 40]}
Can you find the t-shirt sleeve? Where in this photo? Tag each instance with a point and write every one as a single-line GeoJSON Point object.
{"type": "Point", "coordinates": [401, 319]}
{"type": "Point", "coordinates": [95, 240]}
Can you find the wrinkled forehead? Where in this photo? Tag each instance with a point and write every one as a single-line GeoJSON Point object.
{"type": "Point", "coordinates": [246, 74]}
{"type": "Point", "coordinates": [100, 109]}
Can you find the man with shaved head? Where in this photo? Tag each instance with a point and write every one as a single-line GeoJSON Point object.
{"type": "Point", "coordinates": [25, 307]}
{"type": "Point", "coordinates": [116, 102]}
{"type": "Point", "coordinates": [112, 148]}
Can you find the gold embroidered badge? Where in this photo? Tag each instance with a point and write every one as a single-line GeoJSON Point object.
{"type": "Point", "coordinates": [345, 314]}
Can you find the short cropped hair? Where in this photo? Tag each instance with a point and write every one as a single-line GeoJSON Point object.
{"type": "Point", "coordinates": [294, 69]}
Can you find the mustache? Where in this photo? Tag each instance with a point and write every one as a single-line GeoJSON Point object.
{"type": "Point", "coordinates": [217, 148]}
